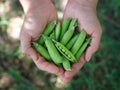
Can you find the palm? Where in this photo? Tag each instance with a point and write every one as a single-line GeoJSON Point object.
{"type": "Point", "coordinates": [35, 21]}
{"type": "Point", "coordinates": [87, 19]}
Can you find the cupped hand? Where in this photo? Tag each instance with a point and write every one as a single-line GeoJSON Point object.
{"type": "Point", "coordinates": [38, 13]}
{"type": "Point", "coordinates": [87, 19]}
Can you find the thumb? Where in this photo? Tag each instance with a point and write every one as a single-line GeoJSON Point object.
{"type": "Point", "coordinates": [94, 45]}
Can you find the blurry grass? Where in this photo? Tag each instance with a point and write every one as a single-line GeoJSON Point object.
{"type": "Point", "coordinates": [101, 73]}
{"type": "Point", "coordinates": [25, 85]}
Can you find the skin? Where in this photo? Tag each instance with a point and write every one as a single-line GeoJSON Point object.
{"type": "Point", "coordinates": [85, 11]}
{"type": "Point", "coordinates": [38, 14]}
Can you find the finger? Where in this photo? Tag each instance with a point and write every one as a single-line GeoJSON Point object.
{"type": "Point", "coordinates": [65, 79]}
{"type": "Point", "coordinates": [26, 45]}
{"type": "Point", "coordinates": [67, 15]}
{"type": "Point", "coordinates": [94, 45]}
{"type": "Point", "coordinates": [68, 12]}
{"type": "Point", "coordinates": [47, 66]}
{"type": "Point", "coordinates": [53, 17]}
{"type": "Point", "coordinates": [75, 68]}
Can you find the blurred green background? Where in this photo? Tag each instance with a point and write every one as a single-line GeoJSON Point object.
{"type": "Point", "coordinates": [18, 72]}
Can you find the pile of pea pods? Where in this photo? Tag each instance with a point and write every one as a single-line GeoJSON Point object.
{"type": "Point", "coordinates": [62, 43]}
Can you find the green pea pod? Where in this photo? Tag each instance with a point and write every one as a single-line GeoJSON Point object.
{"type": "Point", "coordinates": [64, 51]}
{"type": "Point", "coordinates": [73, 23]}
{"type": "Point", "coordinates": [72, 42]}
{"type": "Point", "coordinates": [41, 41]}
{"type": "Point", "coordinates": [82, 49]}
{"type": "Point", "coordinates": [49, 28]}
{"type": "Point", "coordinates": [41, 50]}
{"type": "Point", "coordinates": [65, 25]}
{"type": "Point", "coordinates": [57, 31]}
{"type": "Point", "coordinates": [67, 36]}
{"type": "Point", "coordinates": [52, 35]}
{"type": "Point", "coordinates": [54, 54]}
{"type": "Point", "coordinates": [66, 65]}
{"type": "Point", "coordinates": [79, 42]}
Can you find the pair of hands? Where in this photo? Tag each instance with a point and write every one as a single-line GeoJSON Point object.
{"type": "Point", "coordinates": [40, 12]}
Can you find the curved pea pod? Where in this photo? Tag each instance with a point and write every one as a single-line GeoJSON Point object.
{"type": "Point", "coordinates": [64, 51]}
{"type": "Point", "coordinates": [57, 31]}
{"type": "Point", "coordinates": [49, 28]}
{"type": "Point", "coordinates": [71, 42]}
{"type": "Point", "coordinates": [67, 36]}
{"type": "Point", "coordinates": [65, 26]}
{"type": "Point", "coordinates": [41, 50]}
{"type": "Point", "coordinates": [54, 54]}
{"type": "Point", "coordinates": [79, 42]}
{"type": "Point", "coordinates": [66, 65]}
{"type": "Point", "coordinates": [82, 49]}
{"type": "Point", "coordinates": [73, 23]}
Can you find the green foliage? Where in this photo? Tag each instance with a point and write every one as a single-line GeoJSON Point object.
{"type": "Point", "coordinates": [24, 84]}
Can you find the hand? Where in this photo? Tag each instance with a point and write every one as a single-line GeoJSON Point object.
{"type": "Point", "coordinates": [37, 14]}
{"type": "Point", "coordinates": [86, 15]}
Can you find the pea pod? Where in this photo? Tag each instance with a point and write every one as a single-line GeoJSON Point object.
{"type": "Point", "coordinates": [52, 35]}
{"type": "Point", "coordinates": [64, 51]}
{"type": "Point", "coordinates": [71, 42]}
{"type": "Point", "coordinates": [41, 50]}
{"type": "Point", "coordinates": [79, 42]}
{"type": "Point", "coordinates": [57, 31]}
{"type": "Point", "coordinates": [47, 31]}
{"type": "Point", "coordinates": [66, 65]}
{"type": "Point", "coordinates": [82, 49]}
{"type": "Point", "coordinates": [54, 54]}
{"type": "Point", "coordinates": [73, 23]}
{"type": "Point", "coordinates": [67, 36]}
{"type": "Point", "coordinates": [65, 25]}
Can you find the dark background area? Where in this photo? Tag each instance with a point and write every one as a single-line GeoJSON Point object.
{"type": "Point", "coordinates": [18, 72]}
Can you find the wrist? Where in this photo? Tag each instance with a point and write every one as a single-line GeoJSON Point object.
{"type": "Point", "coordinates": [85, 4]}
